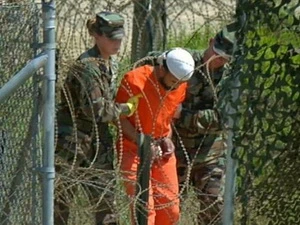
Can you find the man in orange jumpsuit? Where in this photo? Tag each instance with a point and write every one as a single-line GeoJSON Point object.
{"type": "Point", "coordinates": [162, 88]}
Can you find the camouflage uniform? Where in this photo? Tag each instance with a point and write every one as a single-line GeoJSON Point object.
{"type": "Point", "coordinates": [91, 90]}
{"type": "Point", "coordinates": [83, 131]}
{"type": "Point", "coordinates": [200, 139]}
{"type": "Point", "coordinates": [85, 137]}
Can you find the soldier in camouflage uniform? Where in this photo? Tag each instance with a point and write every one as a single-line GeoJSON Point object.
{"type": "Point", "coordinates": [199, 140]}
{"type": "Point", "coordinates": [87, 105]}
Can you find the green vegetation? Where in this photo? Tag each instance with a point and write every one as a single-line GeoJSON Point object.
{"type": "Point", "coordinates": [198, 39]}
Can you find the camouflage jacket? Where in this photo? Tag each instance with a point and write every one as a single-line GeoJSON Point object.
{"type": "Point", "coordinates": [90, 88]}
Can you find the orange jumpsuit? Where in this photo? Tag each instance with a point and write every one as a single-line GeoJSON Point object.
{"type": "Point", "coordinates": [153, 117]}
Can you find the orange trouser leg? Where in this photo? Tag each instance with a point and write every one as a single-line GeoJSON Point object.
{"type": "Point", "coordinates": [165, 192]}
{"type": "Point", "coordinates": [129, 165]}
{"type": "Point", "coordinates": [163, 205]}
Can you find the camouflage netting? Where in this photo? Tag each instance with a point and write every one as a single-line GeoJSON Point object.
{"type": "Point", "coordinates": [267, 128]}
{"type": "Point", "coordinates": [21, 35]}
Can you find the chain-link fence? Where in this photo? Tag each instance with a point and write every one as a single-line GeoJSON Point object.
{"type": "Point", "coordinates": [20, 197]}
{"type": "Point", "coordinates": [266, 123]}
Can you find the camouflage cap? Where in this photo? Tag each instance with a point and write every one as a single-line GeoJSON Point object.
{"type": "Point", "coordinates": [225, 41]}
{"type": "Point", "coordinates": [111, 24]}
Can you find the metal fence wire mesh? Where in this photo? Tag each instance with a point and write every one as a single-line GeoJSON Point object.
{"type": "Point", "coordinates": [266, 140]}
{"type": "Point", "coordinates": [20, 195]}
{"type": "Point", "coordinates": [266, 127]}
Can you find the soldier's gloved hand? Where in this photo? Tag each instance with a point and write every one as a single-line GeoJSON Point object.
{"type": "Point", "coordinates": [131, 105]}
{"type": "Point", "coordinates": [167, 147]}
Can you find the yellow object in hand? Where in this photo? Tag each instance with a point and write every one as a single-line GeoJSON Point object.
{"type": "Point", "coordinates": [133, 103]}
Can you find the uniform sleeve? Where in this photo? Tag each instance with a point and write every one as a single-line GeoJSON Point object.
{"type": "Point", "coordinates": [93, 93]}
{"type": "Point", "coordinates": [200, 121]}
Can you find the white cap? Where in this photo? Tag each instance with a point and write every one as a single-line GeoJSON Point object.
{"type": "Point", "coordinates": [179, 62]}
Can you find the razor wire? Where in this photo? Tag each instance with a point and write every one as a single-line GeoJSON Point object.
{"type": "Point", "coordinates": [268, 122]}
{"type": "Point", "coordinates": [182, 20]}
{"type": "Point", "coordinates": [182, 17]}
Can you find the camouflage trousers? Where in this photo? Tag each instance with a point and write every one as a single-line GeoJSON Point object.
{"type": "Point", "coordinates": [207, 177]}
{"type": "Point", "coordinates": [84, 175]}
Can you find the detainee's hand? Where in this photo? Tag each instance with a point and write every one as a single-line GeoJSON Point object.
{"type": "Point", "coordinates": [167, 147]}
{"type": "Point", "coordinates": [155, 151]}
{"type": "Point", "coordinates": [133, 104]}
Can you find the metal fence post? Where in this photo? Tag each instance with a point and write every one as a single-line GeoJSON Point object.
{"type": "Point", "coordinates": [231, 164]}
{"type": "Point", "coordinates": [47, 170]}
{"type": "Point", "coordinates": [232, 112]}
